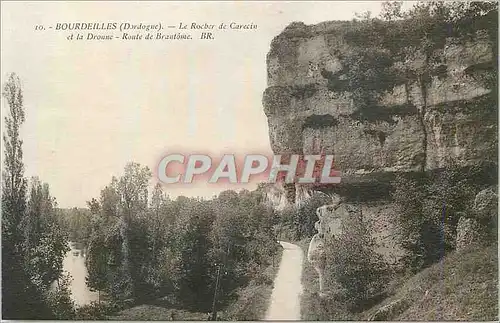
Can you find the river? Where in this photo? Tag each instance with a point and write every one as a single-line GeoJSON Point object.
{"type": "Point", "coordinates": [74, 264]}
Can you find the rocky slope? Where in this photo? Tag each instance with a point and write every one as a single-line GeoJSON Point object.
{"type": "Point", "coordinates": [305, 116]}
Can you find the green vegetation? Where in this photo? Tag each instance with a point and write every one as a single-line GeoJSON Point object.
{"type": "Point", "coordinates": [33, 244]}
{"type": "Point", "coordinates": [153, 257]}
{"type": "Point", "coordinates": [144, 249]}
{"type": "Point", "coordinates": [433, 281]}
{"type": "Point", "coordinates": [354, 275]}
{"type": "Point", "coordinates": [253, 300]}
{"type": "Point", "coordinates": [157, 313]}
{"type": "Point", "coordinates": [407, 49]}
{"type": "Point", "coordinates": [353, 270]}
{"type": "Point", "coordinates": [462, 286]}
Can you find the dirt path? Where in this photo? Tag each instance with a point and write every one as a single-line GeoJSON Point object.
{"type": "Point", "coordinates": [285, 299]}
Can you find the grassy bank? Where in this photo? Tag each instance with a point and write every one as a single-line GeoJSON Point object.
{"type": "Point", "coordinates": [463, 286]}
{"type": "Point", "coordinates": [253, 299]}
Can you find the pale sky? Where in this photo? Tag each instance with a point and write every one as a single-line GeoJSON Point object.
{"type": "Point", "coordinates": [93, 106]}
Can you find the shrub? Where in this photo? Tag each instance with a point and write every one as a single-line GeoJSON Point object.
{"type": "Point", "coordinates": [411, 226]}
{"type": "Point", "coordinates": [354, 272]}
{"type": "Point", "coordinates": [97, 311]}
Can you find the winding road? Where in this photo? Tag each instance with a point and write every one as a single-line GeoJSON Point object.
{"type": "Point", "coordinates": [285, 298]}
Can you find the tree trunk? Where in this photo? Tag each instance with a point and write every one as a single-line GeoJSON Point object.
{"type": "Point", "coordinates": [421, 117]}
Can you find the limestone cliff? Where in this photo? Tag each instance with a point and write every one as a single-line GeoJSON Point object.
{"type": "Point", "coordinates": [305, 116]}
{"type": "Point", "coordinates": [457, 127]}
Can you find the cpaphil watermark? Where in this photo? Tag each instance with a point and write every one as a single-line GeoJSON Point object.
{"type": "Point", "coordinates": [235, 169]}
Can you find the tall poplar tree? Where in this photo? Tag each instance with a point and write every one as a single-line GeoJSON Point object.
{"type": "Point", "coordinates": [20, 298]}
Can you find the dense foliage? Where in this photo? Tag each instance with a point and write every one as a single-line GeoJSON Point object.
{"type": "Point", "coordinates": [143, 249]}
{"type": "Point", "coordinates": [354, 271]}
{"type": "Point", "coordinates": [141, 245]}
{"type": "Point", "coordinates": [33, 244]}
{"type": "Point", "coordinates": [76, 222]}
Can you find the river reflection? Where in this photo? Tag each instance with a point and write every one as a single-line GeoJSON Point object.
{"type": "Point", "coordinates": [74, 264]}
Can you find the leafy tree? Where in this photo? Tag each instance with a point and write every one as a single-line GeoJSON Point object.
{"type": "Point", "coordinates": [123, 247]}
{"type": "Point", "coordinates": [97, 261]}
{"type": "Point", "coordinates": [354, 271]}
{"type": "Point", "coordinates": [17, 289]}
{"type": "Point", "coordinates": [157, 204]}
{"type": "Point", "coordinates": [38, 205]}
{"type": "Point", "coordinates": [45, 241]}
{"type": "Point", "coordinates": [193, 245]}
{"type": "Point", "coordinates": [230, 235]}
{"type": "Point", "coordinates": [94, 206]}
{"type": "Point", "coordinates": [391, 10]}
{"type": "Point", "coordinates": [60, 300]}
{"type": "Point", "coordinates": [131, 194]}
{"type": "Point", "coordinates": [77, 224]}
{"type": "Point", "coordinates": [109, 200]}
